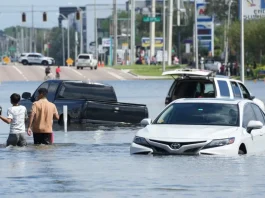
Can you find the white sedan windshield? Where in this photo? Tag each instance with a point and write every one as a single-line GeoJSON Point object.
{"type": "Point", "coordinates": [200, 114]}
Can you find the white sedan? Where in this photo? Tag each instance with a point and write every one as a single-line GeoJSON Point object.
{"type": "Point", "coordinates": [203, 126]}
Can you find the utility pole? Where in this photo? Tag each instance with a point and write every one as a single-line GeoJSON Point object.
{"type": "Point", "coordinates": [132, 31]}
{"type": "Point", "coordinates": [226, 31]}
{"type": "Point", "coordinates": [196, 35]}
{"type": "Point", "coordinates": [81, 31]}
{"type": "Point", "coordinates": [170, 25]}
{"type": "Point", "coordinates": [242, 42]}
{"type": "Point", "coordinates": [76, 44]}
{"type": "Point", "coordinates": [22, 39]}
{"type": "Point", "coordinates": [68, 37]}
{"type": "Point", "coordinates": [115, 31]}
{"type": "Point", "coordinates": [164, 34]}
{"type": "Point", "coordinates": [152, 29]}
{"type": "Point", "coordinates": [31, 31]}
{"type": "Point", "coordinates": [96, 30]}
{"type": "Point", "coordinates": [63, 45]}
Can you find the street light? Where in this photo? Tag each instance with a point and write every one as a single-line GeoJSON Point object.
{"type": "Point", "coordinates": [196, 35]}
{"type": "Point", "coordinates": [81, 28]}
{"type": "Point", "coordinates": [242, 42]}
{"type": "Point", "coordinates": [68, 39]}
{"type": "Point", "coordinates": [227, 29]}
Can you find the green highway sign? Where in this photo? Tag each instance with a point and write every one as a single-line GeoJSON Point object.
{"type": "Point", "coordinates": [151, 19]}
{"type": "Point", "coordinates": [12, 48]}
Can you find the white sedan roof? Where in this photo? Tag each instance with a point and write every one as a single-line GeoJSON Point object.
{"type": "Point", "coordinates": [210, 100]}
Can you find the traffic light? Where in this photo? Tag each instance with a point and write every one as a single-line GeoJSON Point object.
{"type": "Point", "coordinates": [23, 17]}
{"type": "Point", "coordinates": [77, 15]}
{"type": "Point", "coordinates": [44, 16]}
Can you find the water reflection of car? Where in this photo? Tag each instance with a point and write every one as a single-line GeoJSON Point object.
{"type": "Point", "coordinates": [203, 126]}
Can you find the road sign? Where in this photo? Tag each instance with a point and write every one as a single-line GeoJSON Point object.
{"type": "Point", "coordinates": [69, 61]}
{"type": "Point", "coordinates": [12, 48]}
{"type": "Point", "coordinates": [151, 19]}
{"type": "Point", "coordinates": [6, 60]}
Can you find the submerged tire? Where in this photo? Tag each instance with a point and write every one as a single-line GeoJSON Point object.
{"type": "Point", "coordinates": [240, 152]}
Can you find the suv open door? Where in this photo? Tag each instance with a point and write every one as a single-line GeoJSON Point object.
{"type": "Point", "coordinates": [190, 83]}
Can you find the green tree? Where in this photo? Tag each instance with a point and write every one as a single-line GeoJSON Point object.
{"type": "Point", "coordinates": [219, 9]}
{"type": "Point", "coordinates": [55, 39]}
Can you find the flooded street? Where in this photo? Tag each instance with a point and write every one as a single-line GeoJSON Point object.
{"type": "Point", "coordinates": [97, 162]}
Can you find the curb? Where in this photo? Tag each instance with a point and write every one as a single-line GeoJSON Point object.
{"type": "Point", "coordinates": [144, 77]}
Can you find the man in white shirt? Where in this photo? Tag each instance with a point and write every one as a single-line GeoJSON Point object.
{"type": "Point", "coordinates": [16, 117]}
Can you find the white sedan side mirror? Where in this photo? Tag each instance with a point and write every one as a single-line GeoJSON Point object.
{"type": "Point", "coordinates": [254, 125]}
{"type": "Point", "coordinates": [146, 121]}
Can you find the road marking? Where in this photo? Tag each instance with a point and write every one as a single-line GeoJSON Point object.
{"type": "Point", "coordinates": [116, 76]}
{"type": "Point", "coordinates": [80, 74]}
{"type": "Point", "coordinates": [20, 72]}
{"type": "Point", "coordinates": [77, 72]}
{"type": "Point", "coordinates": [42, 68]}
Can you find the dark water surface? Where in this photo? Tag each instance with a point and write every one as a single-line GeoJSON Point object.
{"type": "Point", "coordinates": [97, 163]}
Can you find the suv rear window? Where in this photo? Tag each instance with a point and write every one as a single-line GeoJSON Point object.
{"type": "Point", "coordinates": [194, 89]}
{"type": "Point", "coordinates": [71, 90]}
{"type": "Point", "coordinates": [84, 57]}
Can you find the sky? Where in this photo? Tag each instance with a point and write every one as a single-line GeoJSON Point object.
{"type": "Point", "coordinates": [11, 11]}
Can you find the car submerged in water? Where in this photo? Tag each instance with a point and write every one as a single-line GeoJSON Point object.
{"type": "Point", "coordinates": [203, 127]}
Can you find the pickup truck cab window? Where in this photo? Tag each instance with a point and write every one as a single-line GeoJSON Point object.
{"type": "Point", "coordinates": [244, 90]}
{"type": "Point", "coordinates": [236, 90]}
{"type": "Point", "coordinates": [223, 86]}
{"type": "Point", "coordinates": [43, 85]}
{"type": "Point", "coordinates": [87, 91]}
{"type": "Point", "coordinates": [52, 90]}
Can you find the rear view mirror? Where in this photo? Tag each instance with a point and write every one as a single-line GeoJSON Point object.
{"type": "Point", "coordinates": [26, 95]}
{"type": "Point", "coordinates": [251, 97]}
{"type": "Point", "coordinates": [252, 125]}
{"type": "Point", "coordinates": [146, 122]}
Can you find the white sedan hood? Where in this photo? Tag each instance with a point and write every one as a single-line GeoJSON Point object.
{"type": "Point", "coordinates": [185, 132]}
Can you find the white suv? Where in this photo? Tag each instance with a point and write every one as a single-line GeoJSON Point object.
{"type": "Point", "coordinates": [35, 59]}
{"type": "Point", "coordinates": [193, 83]}
{"type": "Point", "coordinates": [86, 60]}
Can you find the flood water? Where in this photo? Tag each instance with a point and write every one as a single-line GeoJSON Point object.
{"type": "Point", "coordinates": [97, 163]}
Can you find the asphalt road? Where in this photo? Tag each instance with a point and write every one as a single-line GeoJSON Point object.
{"type": "Point", "coordinates": [37, 73]}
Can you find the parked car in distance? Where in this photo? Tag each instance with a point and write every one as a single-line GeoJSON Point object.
{"type": "Point", "coordinates": [35, 59]}
{"type": "Point", "coordinates": [193, 83]}
{"type": "Point", "coordinates": [87, 102]}
{"type": "Point", "coordinates": [205, 127]}
{"type": "Point", "coordinates": [86, 60]}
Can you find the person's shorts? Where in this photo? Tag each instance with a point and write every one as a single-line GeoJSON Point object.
{"type": "Point", "coordinates": [43, 138]}
{"type": "Point", "coordinates": [18, 139]}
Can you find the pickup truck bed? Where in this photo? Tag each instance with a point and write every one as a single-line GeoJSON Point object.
{"type": "Point", "coordinates": [100, 107]}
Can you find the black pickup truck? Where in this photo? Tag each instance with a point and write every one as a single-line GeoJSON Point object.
{"type": "Point", "coordinates": [93, 103]}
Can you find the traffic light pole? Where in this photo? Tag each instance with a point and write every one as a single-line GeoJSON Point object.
{"type": "Point", "coordinates": [164, 34]}
{"type": "Point", "coordinates": [115, 32]}
{"type": "Point", "coordinates": [63, 46]}
{"type": "Point", "coordinates": [96, 30]}
{"type": "Point", "coordinates": [81, 31]}
{"type": "Point", "coordinates": [68, 38]}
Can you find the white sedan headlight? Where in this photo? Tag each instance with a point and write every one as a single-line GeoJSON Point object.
{"type": "Point", "coordinates": [221, 142]}
{"type": "Point", "coordinates": [140, 140]}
